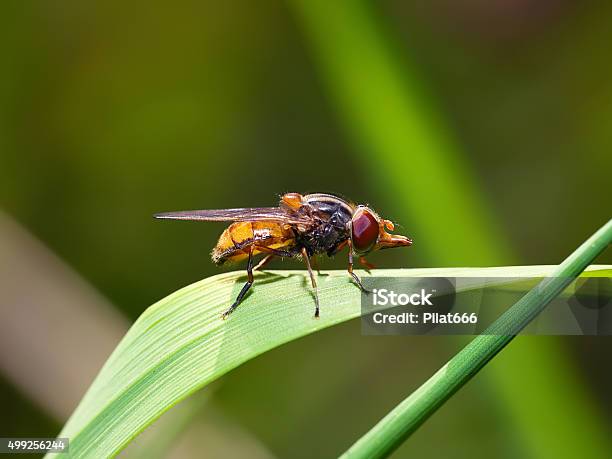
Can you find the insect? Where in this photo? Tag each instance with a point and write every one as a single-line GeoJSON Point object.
{"type": "Point", "coordinates": [302, 226]}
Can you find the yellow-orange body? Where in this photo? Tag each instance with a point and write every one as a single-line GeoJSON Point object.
{"type": "Point", "coordinates": [240, 238]}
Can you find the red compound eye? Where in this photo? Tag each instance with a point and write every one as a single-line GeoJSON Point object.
{"type": "Point", "coordinates": [365, 231]}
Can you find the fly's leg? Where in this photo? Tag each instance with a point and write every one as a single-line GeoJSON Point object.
{"type": "Point", "coordinates": [315, 265]}
{"type": "Point", "coordinates": [245, 288]}
{"type": "Point", "coordinates": [264, 261]}
{"type": "Point", "coordinates": [312, 279]}
{"type": "Point", "coordinates": [366, 263]}
{"type": "Point", "coordinates": [276, 252]}
{"type": "Point", "coordinates": [350, 268]}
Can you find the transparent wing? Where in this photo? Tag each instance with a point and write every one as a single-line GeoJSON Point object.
{"type": "Point", "coordinates": [237, 215]}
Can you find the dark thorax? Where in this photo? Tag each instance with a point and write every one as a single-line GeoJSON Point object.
{"type": "Point", "coordinates": [330, 224]}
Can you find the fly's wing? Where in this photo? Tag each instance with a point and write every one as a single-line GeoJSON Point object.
{"type": "Point", "coordinates": [276, 214]}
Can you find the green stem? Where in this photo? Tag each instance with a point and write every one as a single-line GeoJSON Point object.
{"type": "Point", "coordinates": [404, 419]}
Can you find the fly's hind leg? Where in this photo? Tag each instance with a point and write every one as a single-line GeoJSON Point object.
{"type": "Point", "coordinates": [245, 288]}
{"type": "Point", "coordinates": [264, 261]}
{"type": "Point", "coordinates": [312, 279]}
{"type": "Point", "coordinates": [274, 252]}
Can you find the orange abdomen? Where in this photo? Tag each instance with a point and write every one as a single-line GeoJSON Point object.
{"type": "Point", "coordinates": [241, 237]}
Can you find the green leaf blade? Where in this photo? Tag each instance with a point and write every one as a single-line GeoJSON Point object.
{"type": "Point", "coordinates": [181, 344]}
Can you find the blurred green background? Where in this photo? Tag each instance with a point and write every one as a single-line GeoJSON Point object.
{"type": "Point", "coordinates": [482, 128]}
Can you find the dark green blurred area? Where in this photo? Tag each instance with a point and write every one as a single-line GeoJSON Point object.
{"type": "Point", "coordinates": [110, 112]}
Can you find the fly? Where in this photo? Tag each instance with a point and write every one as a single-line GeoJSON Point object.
{"type": "Point", "coordinates": [302, 226]}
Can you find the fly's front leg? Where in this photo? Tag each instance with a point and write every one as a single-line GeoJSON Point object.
{"type": "Point", "coordinates": [245, 288]}
{"type": "Point", "coordinates": [368, 266]}
{"type": "Point", "coordinates": [350, 268]}
{"type": "Point", "coordinates": [312, 279]}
